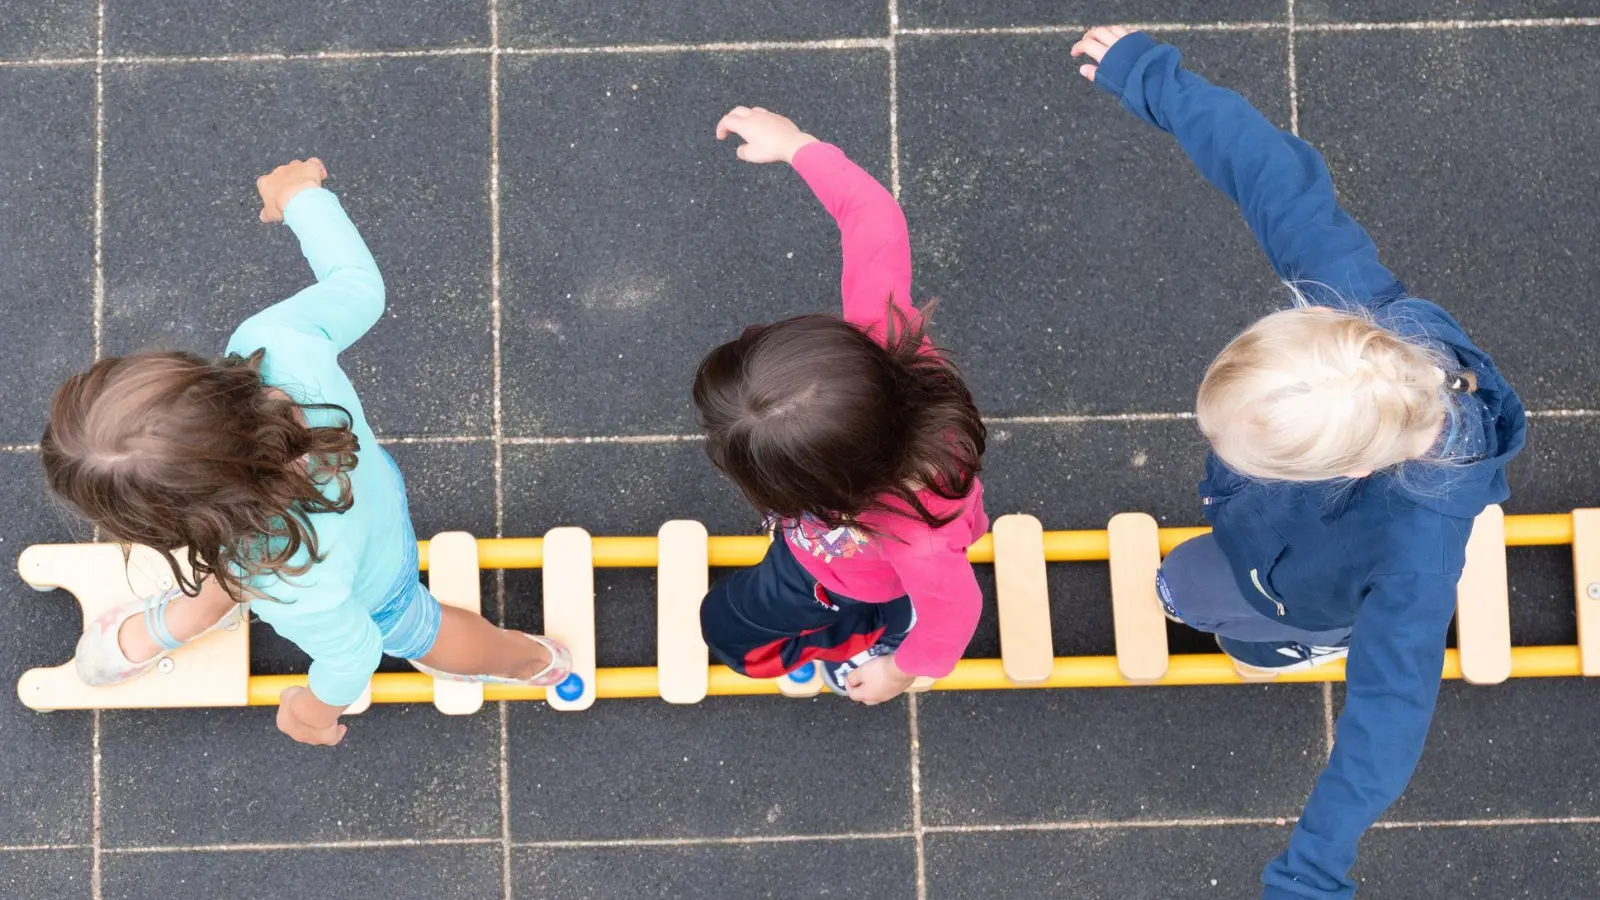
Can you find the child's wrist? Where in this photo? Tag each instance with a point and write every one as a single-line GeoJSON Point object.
{"type": "Point", "coordinates": [294, 190]}
{"type": "Point", "coordinates": [802, 142]}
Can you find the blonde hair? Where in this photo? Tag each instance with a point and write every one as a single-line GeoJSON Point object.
{"type": "Point", "coordinates": [1313, 393]}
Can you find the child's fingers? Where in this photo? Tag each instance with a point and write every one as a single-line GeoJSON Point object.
{"type": "Point", "coordinates": [1088, 71]}
{"type": "Point", "coordinates": [316, 164]}
{"type": "Point", "coordinates": [743, 152]}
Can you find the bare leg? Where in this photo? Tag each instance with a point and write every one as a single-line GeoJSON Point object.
{"type": "Point", "coordinates": [187, 617]}
{"type": "Point", "coordinates": [468, 644]}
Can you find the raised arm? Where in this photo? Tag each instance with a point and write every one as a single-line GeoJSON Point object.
{"type": "Point", "coordinates": [1280, 182]}
{"type": "Point", "coordinates": [1392, 682]}
{"type": "Point", "coordinates": [872, 233]}
{"type": "Point", "coordinates": [348, 298]}
{"type": "Point", "coordinates": [872, 229]}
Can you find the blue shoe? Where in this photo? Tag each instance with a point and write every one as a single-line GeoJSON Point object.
{"type": "Point", "coordinates": [1282, 656]}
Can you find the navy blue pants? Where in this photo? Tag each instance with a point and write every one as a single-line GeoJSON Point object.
{"type": "Point", "coordinates": [1197, 586]}
{"type": "Point", "coordinates": [773, 618]}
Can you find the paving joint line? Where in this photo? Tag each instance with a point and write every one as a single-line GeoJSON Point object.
{"type": "Point", "coordinates": [712, 841]}
{"type": "Point", "coordinates": [498, 425]}
{"type": "Point", "coordinates": [847, 43]}
{"type": "Point", "coordinates": [278, 846]}
{"type": "Point", "coordinates": [918, 829]}
{"type": "Point", "coordinates": [97, 333]}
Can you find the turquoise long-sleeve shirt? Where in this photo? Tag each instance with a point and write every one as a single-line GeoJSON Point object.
{"type": "Point", "coordinates": [326, 610]}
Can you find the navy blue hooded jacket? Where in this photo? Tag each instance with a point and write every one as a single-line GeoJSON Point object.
{"type": "Point", "coordinates": [1381, 554]}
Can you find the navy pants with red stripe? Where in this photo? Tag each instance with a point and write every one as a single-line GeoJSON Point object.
{"type": "Point", "coordinates": [773, 618]}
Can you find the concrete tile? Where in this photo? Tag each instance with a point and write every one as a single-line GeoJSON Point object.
{"type": "Point", "coordinates": [228, 776]}
{"type": "Point", "coordinates": [47, 230]}
{"type": "Point", "coordinates": [187, 260]}
{"type": "Point", "coordinates": [634, 242]}
{"type": "Point", "coordinates": [1194, 863]}
{"type": "Point", "coordinates": [729, 767]}
{"type": "Point", "coordinates": [450, 872]}
{"type": "Point", "coordinates": [1015, 13]}
{"type": "Point", "coordinates": [1497, 863]}
{"type": "Point", "coordinates": [34, 30]}
{"type": "Point", "coordinates": [580, 22]}
{"type": "Point", "coordinates": [1415, 10]}
{"type": "Point", "coordinates": [44, 874]}
{"type": "Point", "coordinates": [46, 766]}
{"type": "Point", "coordinates": [1478, 189]}
{"type": "Point", "coordinates": [1507, 751]}
{"type": "Point", "coordinates": [884, 869]}
{"type": "Point", "coordinates": [1118, 754]}
{"type": "Point", "coordinates": [190, 27]}
{"type": "Point", "coordinates": [1083, 265]}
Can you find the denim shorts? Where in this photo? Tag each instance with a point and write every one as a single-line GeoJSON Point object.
{"type": "Point", "coordinates": [408, 618]}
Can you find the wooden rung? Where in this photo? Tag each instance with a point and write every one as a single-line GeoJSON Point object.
{"type": "Point", "coordinates": [1023, 596]}
{"type": "Point", "coordinates": [921, 685]}
{"type": "Point", "coordinates": [1586, 575]}
{"type": "Point", "coordinates": [453, 579]}
{"type": "Point", "coordinates": [1483, 603]}
{"type": "Point", "coordinates": [211, 671]}
{"type": "Point", "coordinates": [682, 579]}
{"type": "Point", "coordinates": [1140, 626]}
{"type": "Point", "coordinates": [800, 690]}
{"type": "Point", "coordinates": [569, 608]}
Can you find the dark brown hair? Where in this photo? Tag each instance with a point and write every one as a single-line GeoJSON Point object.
{"type": "Point", "coordinates": [813, 415]}
{"type": "Point", "coordinates": [177, 453]}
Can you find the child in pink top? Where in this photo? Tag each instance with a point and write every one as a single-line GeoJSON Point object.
{"type": "Point", "coordinates": [863, 445]}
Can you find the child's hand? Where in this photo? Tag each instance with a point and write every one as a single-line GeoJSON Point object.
{"type": "Point", "coordinates": [292, 721]}
{"type": "Point", "coordinates": [1095, 44]}
{"type": "Point", "coordinates": [877, 681]}
{"type": "Point", "coordinates": [768, 136]}
{"type": "Point", "coordinates": [280, 185]}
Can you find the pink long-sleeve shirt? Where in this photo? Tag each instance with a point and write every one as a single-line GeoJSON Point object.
{"type": "Point", "coordinates": [893, 555]}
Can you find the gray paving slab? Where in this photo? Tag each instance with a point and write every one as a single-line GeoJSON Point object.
{"type": "Point", "coordinates": [1084, 266]}
{"type": "Point", "coordinates": [47, 230]}
{"type": "Point", "coordinates": [45, 874]}
{"type": "Point", "coordinates": [730, 767]}
{"type": "Point", "coordinates": [35, 30]}
{"type": "Point", "coordinates": [1502, 863]}
{"type": "Point", "coordinates": [884, 869]}
{"type": "Point", "coordinates": [1507, 752]}
{"type": "Point", "coordinates": [179, 777]}
{"type": "Point", "coordinates": [46, 767]}
{"type": "Point", "coordinates": [1012, 757]}
{"type": "Point", "coordinates": [209, 27]}
{"type": "Point", "coordinates": [1315, 11]}
{"type": "Point", "coordinates": [1035, 13]}
{"type": "Point", "coordinates": [1476, 183]}
{"type": "Point", "coordinates": [1180, 863]}
{"type": "Point", "coordinates": [634, 242]}
{"type": "Point", "coordinates": [471, 872]}
{"type": "Point", "coordinates": [541, 23]}
{"type": "Point", "coordinates": [407, 144]}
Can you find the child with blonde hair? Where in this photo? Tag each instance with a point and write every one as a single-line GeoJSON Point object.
{"type": "Point", "coordinates": [1355, 437]}
{"type": "Point", "coordinates": [262, 470]}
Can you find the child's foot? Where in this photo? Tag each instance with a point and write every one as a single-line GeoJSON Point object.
{"type": "Point", "coordinates": [130, 640]}
{"type": "Point", "coordinates": [1281, 656]}
{"type": "Point", "coordinates": [552, 672]}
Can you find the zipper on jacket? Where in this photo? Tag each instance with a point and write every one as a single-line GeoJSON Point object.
{"type": "Point", "coordinates": [1255, 579]}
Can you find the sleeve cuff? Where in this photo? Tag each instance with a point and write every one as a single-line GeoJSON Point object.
{"type": "Point", "coordinates": [1113, 71]}
{"type": "Point", "coordinates": [305, 204]}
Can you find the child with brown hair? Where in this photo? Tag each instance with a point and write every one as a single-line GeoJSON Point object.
{"type": "Point", "coordinates": [262, 470]}
{"type": "Point", "coordinates": [861, 443]}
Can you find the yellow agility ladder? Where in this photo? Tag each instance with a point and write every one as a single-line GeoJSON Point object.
{"type": "Point", "coordinates": [215, 670]}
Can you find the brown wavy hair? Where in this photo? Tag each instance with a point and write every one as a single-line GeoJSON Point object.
{"type": "Point", "coordinates": [814, 415]}
{"type": "Point", "coordinates": [185, 455]}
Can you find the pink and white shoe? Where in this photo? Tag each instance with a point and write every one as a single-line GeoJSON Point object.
{"type": "Point", "coordinates": [556, 672]}
{"type": "Point", "coordinates": [99, 658]}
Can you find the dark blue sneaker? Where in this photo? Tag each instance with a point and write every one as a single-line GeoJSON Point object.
{"type": "Point", "coordinates": [1282, 656]}
{"type": "Point", "coordinates": [834, 673]}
